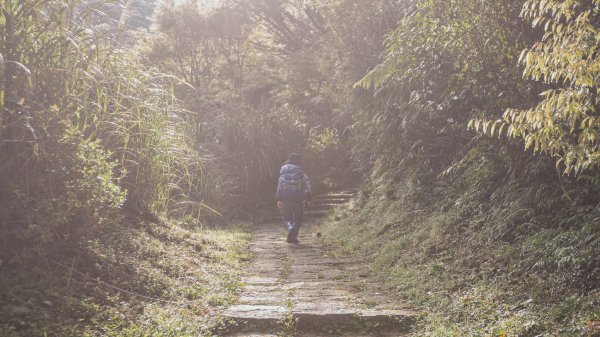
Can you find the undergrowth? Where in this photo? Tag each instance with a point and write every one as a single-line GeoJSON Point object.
{"type": "Point", "coordinates": [489, 249]}
{"type": "Point", "coordinates": [145, 279]}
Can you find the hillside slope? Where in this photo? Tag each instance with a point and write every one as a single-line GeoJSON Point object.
{"type": "Point", "coordinates": [143, 279]}
{"type": "Point", "coordinates": [486, 249]}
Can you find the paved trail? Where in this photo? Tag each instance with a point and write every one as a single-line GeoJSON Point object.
{"type": "Point", "coordinates": [298, 290]}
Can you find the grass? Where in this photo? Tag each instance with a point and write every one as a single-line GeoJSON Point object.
{"type": "Point", "coordinates": [288, 322]}
{"type": "Point", "coordinates": [451, 264]}
{"type": "Point", "coordinates": [132, 280]}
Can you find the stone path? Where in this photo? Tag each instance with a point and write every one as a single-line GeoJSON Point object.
{"type": "Point", "coordinates": [298, 290]}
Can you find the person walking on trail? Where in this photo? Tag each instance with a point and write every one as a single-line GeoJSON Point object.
{"type": "Point", "coordinates": [292, 190]}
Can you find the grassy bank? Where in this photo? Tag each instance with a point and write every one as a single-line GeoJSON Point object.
{"type": "Point", "coordinates": [141, 279]}
{"type": "Point", "coordinates": [481, 259]}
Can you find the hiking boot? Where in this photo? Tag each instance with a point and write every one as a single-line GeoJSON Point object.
{"type": "Point", "coordinates": [292, 237]}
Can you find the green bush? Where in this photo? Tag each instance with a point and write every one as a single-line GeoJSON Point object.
{"type": "Point", "coordinates": [564, 124]}
{"type": "Point", "coordinates": [85, 130]}
{"type": "Point", "coordinates": [63, 196]}
{"type": "Point", "coordinates": [92, 195]}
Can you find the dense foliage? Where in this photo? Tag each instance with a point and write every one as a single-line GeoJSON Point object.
{"type": "Point", "coordinates": [565, 124]}
{"type": "Point", "coordinates": [192, 117]}
{"type": "Point", "coordinates": [86, 130]}
{"type": "Point", "coordinates": [486, 238]}
{"type": "Point", "coordinates": [256, 87]}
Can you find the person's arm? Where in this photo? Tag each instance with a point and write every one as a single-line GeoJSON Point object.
{"type": "Point", "coordinates": [307, 188]}
{"type": "Point", "coordinates": [278, 193]}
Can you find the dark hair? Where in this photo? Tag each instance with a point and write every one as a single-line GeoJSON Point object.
{"type": "Point", "coordinates": [294, 159]}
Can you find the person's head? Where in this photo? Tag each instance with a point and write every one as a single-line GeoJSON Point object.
{"type": "Point", "coordinates": [294, 159]}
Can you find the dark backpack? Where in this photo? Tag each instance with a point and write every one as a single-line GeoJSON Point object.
{"type": "Point", "coordinates": [292, 183]}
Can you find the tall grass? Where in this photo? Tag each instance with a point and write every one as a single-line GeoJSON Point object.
{"type": "Point", "coordinates": [132, 110]}
{"type": "Point", "coordinates": [90, 125]}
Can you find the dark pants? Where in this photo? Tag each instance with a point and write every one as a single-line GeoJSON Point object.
{"type": "Point", "coordinates": [293, 211]}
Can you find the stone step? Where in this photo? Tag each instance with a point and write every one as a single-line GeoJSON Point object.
{"type": "Point", "coordinates": [322, 205]}
{"type": "Point", "coordinates": [338, 194]}
{"type": "Point", "coordinates": [335, 200]}
{"type": "Point", "coordinates": [252, 317]}
{"type": "Point", "coordinates": [265, 319]}
{"type": "Point", "coordinates": [320, 334]}
{"type": "Point", "coordinates": [396, 320]}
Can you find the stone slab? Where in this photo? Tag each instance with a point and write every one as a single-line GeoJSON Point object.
{"type": "Point", "coordinates": [254, 312]}
{"type": "Point", "coordinates": [262, 280]}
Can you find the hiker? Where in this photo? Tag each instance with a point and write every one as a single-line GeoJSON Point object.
{"type": "Point", "coordinates": [292, 190]}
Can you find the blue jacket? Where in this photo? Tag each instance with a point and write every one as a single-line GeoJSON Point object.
{"type": "Point", "coordinates": [293, 183]}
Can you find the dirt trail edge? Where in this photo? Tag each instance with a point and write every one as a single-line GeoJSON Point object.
{"type": "Point", "coordinates": [298, 290]}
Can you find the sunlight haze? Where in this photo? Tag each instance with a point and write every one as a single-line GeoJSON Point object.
{"type": "Point", "coordinates": [299, 168]}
